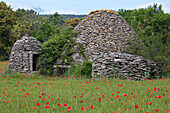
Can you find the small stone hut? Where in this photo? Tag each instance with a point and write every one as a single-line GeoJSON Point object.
{"type": "Point", "coordinates": [24, 56]}
{"type": "Point", "coordinates": [105, 35]}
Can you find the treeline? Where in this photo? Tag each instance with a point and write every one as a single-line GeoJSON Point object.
{"type": "Point", "coordinates": [67, 16]}
{"type": "Point", "coordinates": [151, 25]}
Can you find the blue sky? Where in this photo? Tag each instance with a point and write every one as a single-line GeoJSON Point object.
{"type": "Point", "coordinates": [84, 6]}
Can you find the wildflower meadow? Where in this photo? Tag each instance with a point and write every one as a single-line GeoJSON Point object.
{"type": "Point", "coordinates": [32, 93]}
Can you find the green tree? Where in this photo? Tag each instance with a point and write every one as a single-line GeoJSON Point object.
{"type": "Point", "coordinates": [57, 47]}
{"type": "Point", "coordinates": [56, 20]}
{"type": "Point", "coordinates": [7, 20]}
{"type": "Point", "coordinates": [152, 25]}
{"type": "Point", "coordinates": [45, 31]}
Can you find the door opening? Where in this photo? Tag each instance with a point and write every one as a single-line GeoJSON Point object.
{"type": "Point", "coordinates": [35, 61]}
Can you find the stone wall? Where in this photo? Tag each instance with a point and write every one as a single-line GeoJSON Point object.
{"type": "Point", "coordinates": [127, 65]}
{"type": "Point", "coordinates": [21, 57]}
{"type": "Point", "coordinates": [103, 33]}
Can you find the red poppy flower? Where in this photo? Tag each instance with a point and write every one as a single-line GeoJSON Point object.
{"type": "Point", "coordinates": [68, 110]}
{"type": "Point", "coordinates": [159, 96]}
{"type": "Point", "coordinates": [165, 101]}
{"type": "Point", "coordinates": [103, 95]}
{"type": "Point", "coordinates": [92, 107]}
{"type": "Point", "coordinates": [38, 84]}
{"type": "Point", "coordinates": [47, 106]}
{"type": "Point", "coordinates": [112, 94]}
{"type": "Point", "coordinates": [27, 93]}
{"type": "Point", "coordinates": [38, 104]}
{"type": "Point", "coordinates": [88, 108]}
{"type": "Point", "coordinates": [81, 96]}
{"type": "Point", "coordinates": [53, 109]}
{"type": "Point", "coordinates": [117, 96]}
{"type": "Point", "coordinates": [65, 104]}
{"type": "Point", "coordinates": [150, 103]}
{"type": "Point", "coordinates": [7, 101]}
{"type": "Point", "coordinates": [99, 99]}
{"type": "Point", "coordinates": [82, 108]}
{"type": "Point", "coordinates": [156, 109]}
{"type": "Point", "coordinates": [42, 93]}
{"type": "Point", "coordinates": [59, 104]}
{"type": "Point", "coordinates": [118, 91]}
{"type": "Point", "coordinates": [40, 96]}
{"type": "Point", "coordinates": [155, 96]}
{"type": "Point", "coordinates": [129, 98]}
{"type": "Point", "coordinates": [136, 106]}
{"type": "Point", "coordinates": [81, 101]}
{"type": "Point", "coordinates": [47, 103]}
{"type": "Point", "coordinates": [125, 94]}
{"type": "Point", "coordinates": [74, 96]}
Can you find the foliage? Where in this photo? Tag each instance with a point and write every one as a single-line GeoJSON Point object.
{"type": "Point", "coordinates": [46, 30]}
{"type": "Point", "coordinates": [72, 22]}
{"type": "Point", "coordinates": [7, 20]}
{"type": "Point", "coordinates": [152, 25]}
{"type": "Point", "coordinates": [58, 47]}
{"type": "Point", "coordinates": [56, 20]}
{"type": "Point", "coordinates": [28, 22]}
{"type": "Point", "coordinates": [82, 70]}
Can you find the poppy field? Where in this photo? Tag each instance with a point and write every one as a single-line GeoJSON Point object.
{"type": "Point", "coordinates": [25, 93]}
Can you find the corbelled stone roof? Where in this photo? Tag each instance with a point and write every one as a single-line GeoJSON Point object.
{"type": "Point", "coordinates": [105, 36]}
{"type": "Point", "coordinates": [22, 54]}
{"type": "Point", "coordinates": [104, 30]}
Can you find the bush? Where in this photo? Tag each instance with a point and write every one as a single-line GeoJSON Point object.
{"type": "Point", "coordinates": [82, 70]}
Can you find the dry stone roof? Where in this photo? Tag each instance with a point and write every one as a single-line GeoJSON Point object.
{"type": "Point", "coordinates": [21, 57]}
{"type": "Point", "coordinates": [105, 35]}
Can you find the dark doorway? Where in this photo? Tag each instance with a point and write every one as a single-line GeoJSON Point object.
{"type": "Point", "coordinates": [35, 61]}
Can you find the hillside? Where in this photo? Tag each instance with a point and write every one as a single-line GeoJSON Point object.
{"type": "Point", "coordinates": [67, 16]}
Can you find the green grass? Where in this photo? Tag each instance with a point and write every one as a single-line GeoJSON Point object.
{"type": "Point", "coordinates": [23, 91]}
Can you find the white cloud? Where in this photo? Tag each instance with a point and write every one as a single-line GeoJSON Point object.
{"type": "Point", "coordinates": [166, 10]}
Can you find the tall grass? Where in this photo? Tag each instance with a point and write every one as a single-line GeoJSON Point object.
{"type": "Point", "coordinates": [34, 93]}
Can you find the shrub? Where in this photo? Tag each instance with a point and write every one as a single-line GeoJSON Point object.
{"type": "Point", "coordinates": [82, 70]}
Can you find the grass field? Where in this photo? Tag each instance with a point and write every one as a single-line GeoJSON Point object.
{"type": "Point", "coordinates": [24, 93]}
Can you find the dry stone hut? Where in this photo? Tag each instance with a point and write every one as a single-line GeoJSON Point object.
{"type": "Point", "coordinates": [105, 35]}
{"type": "Point", "coordinates": [24, 56]}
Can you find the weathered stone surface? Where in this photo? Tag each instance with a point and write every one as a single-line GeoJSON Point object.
{"type": "Point", "coordinates": [21, 57]}
{"type": "Point", "coordinates": [105, 35]}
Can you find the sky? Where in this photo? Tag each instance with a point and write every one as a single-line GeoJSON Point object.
{"type": "Point", "coordinates": [84, 6]}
